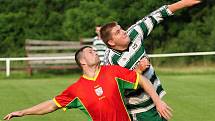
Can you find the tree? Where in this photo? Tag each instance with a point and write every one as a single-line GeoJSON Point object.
{"type": "Point", "coordinates": [81, 21]}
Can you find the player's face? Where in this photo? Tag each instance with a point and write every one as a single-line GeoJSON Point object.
{"type": "Point", "coordinates": [119, 37]}
{"type": "Point", "coordinates": [90, 56]}
{"type": "Point", "coordinates": [98, 30]}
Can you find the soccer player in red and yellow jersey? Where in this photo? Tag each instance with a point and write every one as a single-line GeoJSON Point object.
{"type": "Point", "coordinates": [98, 92]}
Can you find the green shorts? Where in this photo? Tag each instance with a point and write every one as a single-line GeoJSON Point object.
{"type": "Point", "coordinates": [151, 115]}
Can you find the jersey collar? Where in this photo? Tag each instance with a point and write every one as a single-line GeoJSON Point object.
{"type": "Point", "coordinates": [92, 78]}
{"type": "Point", "coordinates": [121, 51]}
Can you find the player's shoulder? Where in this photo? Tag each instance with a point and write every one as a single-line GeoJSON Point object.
{"type": "Point", "coordinates": [109, 54]}
{"type": "Point", "coordinates": [71, 87]}
{"type": "Point", "coordinates": [112, 53]}
{"type": "Point", "coordinates": [111, 67]}
{"type": "Point", "coordinates": [77, 82]}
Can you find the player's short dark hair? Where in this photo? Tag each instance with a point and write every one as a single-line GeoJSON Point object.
{"type": "Point", "coordinates": [106, 32]}
{"type": "Point", "coordinates": [78, 55]}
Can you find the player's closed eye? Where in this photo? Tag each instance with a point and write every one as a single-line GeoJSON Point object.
{"type": "Point", "coordinates": [90, 51]}
{"type": "Point", "coordinates": [117, 32]}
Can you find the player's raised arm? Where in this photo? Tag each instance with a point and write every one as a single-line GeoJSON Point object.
{"type": "Point", "coordinates": [161, 106]}
{"type": "Point", "coordinates": [40, 109]}
{"type": "Point", "coordinates": [148, 23]}
{"type": "Point", "coordinates": [182, 4]}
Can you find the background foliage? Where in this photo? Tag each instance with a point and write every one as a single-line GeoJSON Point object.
{"type": "Point", "coordinates": [187, 31]}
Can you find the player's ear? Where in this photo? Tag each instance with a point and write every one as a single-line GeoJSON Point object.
{"type": "Point", "coordinates": [111, 42]}
{"type": "Point", "coordinates": [82, 61]}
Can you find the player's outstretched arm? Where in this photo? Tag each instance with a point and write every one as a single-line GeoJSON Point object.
{"type": "Point", "coordinates": [163, 109]}
{"type": "Point", "coordinates": [182, 4]}
{"type": "Point", "coordinates": [40, 109]}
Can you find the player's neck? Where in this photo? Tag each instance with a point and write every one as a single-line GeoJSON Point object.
{"type": "Point", "coordinates": [120, 48]}
{"type": "Point", "coordinates": [91, 72]}
{"type": "Point", "coordinates": [99, 37]}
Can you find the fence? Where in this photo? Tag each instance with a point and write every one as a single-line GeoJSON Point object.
{"type": "Point", "coordinates": [8, 60]}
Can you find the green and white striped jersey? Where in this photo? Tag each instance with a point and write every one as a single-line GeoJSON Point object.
{"type": "Point", "coordinates": [138, 101]}
{"type": "Point", "coordinates": [100, 48]}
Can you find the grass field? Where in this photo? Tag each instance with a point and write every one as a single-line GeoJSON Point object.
{"type": "Point", "coordinates": [190, 92]}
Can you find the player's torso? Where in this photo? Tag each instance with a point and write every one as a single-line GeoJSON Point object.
{"type": "Point", "coordinates": [101, 97]}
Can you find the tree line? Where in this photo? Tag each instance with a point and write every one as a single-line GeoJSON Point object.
{"type": "Point", "coordinates": [189, 30]}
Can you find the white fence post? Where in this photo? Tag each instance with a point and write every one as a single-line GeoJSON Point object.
{"type": "Point", "coordinates": [7, 67]}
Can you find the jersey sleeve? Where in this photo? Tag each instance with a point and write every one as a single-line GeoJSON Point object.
{"type": "Point", "coordinates": [65, 99]}
{"type": "Point", "coordinates": [110, 57]}
{"type": "Point", "coordinates": [128, 77]}
{"type": "Point", "coordinates": [146, 25]}
{"type": "Point", "coordinates": [68, 100]}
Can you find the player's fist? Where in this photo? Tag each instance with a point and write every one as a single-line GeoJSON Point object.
{"type": "Point", "coordinates": [189, 3]}
{"type": "Point", "coordinates": [143, 64]}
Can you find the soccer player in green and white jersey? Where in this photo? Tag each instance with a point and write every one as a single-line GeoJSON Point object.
{"type": "Point", "coordinates": [127, 50]}
{"type": "Point", "coordinates": [99, 45]}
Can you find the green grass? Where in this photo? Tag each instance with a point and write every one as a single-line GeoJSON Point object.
{"type": "Point", "coordinates": [16, 94]}
{"type": "Point", "coordinates": [191, 96]}
{"type": "Point", "coordinates": [190, 93]}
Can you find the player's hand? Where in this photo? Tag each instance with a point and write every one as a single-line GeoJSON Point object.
{"type": "Point", "coordinates": [189, 3]}
{"type": "Point", "coordinates": [13, 114]}
{"type": "Point", "coordinates": [164, 110]}
{"type": "Point", "coordinates": [143, 64]}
